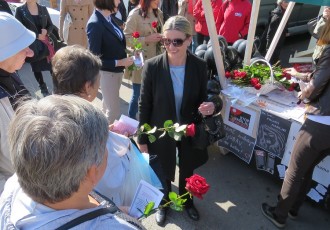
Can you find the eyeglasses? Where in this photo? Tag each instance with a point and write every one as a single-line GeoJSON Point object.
{"type": "Point", "coordinates": [177, 42]}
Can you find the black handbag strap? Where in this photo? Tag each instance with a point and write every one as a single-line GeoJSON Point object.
{"type": "Point", "coordinates": [87, 217]}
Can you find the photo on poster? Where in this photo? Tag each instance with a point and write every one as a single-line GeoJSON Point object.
{"type": "Point", "coordinates": [260, 156]}
{"type": "Point", "coordinates": [270, 163]}
{"type": "Point", "coordinates": [241, 118]}
{"type": "Point", "coordinates": [273, 133]}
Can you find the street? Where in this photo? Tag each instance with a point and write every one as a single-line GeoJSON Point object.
{"type": "Point", "coordinates": [237, 189]}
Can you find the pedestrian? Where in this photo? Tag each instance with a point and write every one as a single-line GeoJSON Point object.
{"type": "Point", "coordinates": [312, 144]}
{"type": "Point", "coordinates": [274, 21]}
{"type": "Point", "coordinates": [186, 9]}
{"type": "Point", "coordinates": [202, 32]}
{"type": "Point", "coordinates": [233, 20]}
{"type": "Point", "coordinates": [132, 4]}
{"type": "Point", "coordinates": [14, 48]}
{"type": "Point", "coordinates": [174, 88]}
{"type": "Point", "coordinates": [107, 40]}
{"type": "Point", "coordinates": [147, 20]}
{"type": "Point", "coordinates": [169, 8]}
{"type": "Point", "coordinates": [79, 11]}
{"type": "Point", "coordinates": [35, 17]}
{"type": "Point", "coordinates": [58, 149]}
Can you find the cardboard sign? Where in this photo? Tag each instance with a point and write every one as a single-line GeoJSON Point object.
{"type": "Point", "coordinates": [238, 143]}
{"type": "Point", "coordinates": [273, 133]}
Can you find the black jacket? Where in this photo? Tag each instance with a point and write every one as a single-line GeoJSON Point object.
{"type": "Point", "coordinates": [104, 41]}
{"type": "Point", "coordinates": [274, 21]}
{"type": "Point", "coordinates": [157, 104]}
{"type": "Point", "coordinates": [5, 7]}
{"type": "Point", "coordinates": [318, 90]}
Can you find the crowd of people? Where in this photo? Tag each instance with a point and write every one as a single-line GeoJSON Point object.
{"type": "Point", "coordinates": [60, 160]}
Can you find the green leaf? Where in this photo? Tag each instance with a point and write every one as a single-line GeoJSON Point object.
{"type": "Point", "coordinates": [173, 196]}
{"type": "Point", "coordinates": [147, 127]}
{"type": "Point", "coordinates": [176, 207]}
{"type": "Point", "coordinates": [163, 134]}
{"type": "Point", "coordinates": [151, 138]}
{"type": "Point", "coordinates": [153, 130]}
{"type": "Point", "coordinates": [181, 128]}
{"type": "Point", "coordinates": [149, 208]}
{"type": "Point", "coordinates": [168, 123]}
{"type": "Point", "coordinates": [170, 133]}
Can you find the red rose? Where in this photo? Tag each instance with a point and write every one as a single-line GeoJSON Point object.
{"type": "Point", "coordinates": [228, 74]}
{"type": "Point", "coordinates": [136, 34]}
{"type": "Point", "coordinates": [154, 24]}
{"type": "Point", "coordinates": [257, 86]}
{"type": "Point", "coordinates": [243, 74]}
{"type": "Point", "coordinates": [190, 130]}
{"type": "Point", "coordinates": [254, 81]}
{"type": "Point", "coordinates": [197, 186]}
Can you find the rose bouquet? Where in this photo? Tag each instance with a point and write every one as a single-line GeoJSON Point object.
{"type": "Point", "coordinates": [195, 185]}
{"type": "Point", "coordinates": [257, 75]}
{"type": "Point", "coordinates": [136, 52]}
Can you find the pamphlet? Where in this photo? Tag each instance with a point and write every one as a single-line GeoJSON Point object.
{"type": "Point", "coordinates": [125, 125]}
{"type": "Point", "coordinates": [144, 194]}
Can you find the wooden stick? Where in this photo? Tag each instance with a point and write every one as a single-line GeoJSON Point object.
{"type": "Point", "coordinates": [214, 41]}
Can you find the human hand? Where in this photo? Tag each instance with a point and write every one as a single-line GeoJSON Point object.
{"type": "Point", "coordinates": [206, 108]}
{"type": "Point", "coordinates": [44, 32]}
{"type": "Point", "coordinates": [156, 37]}
{"type": "Point", "coordinates": [291, 71]}
{"type": "Point", "coordinates": [143, 148]}
{"type": "Point", "coordinates": [125, 62]}
{"type": "Point", "coordinates": [112, 129]}
{"type": "Point", "coordinates": [42, 37]}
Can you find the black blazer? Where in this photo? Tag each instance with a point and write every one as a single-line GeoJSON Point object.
{"type": "Point", "coordinates": [157, 104]}
{"type": "Point", "coordinates": [105, 42]}
{"type": "Point", "coordinates": [24, 16]}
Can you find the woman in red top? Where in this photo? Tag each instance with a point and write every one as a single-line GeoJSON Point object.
{"type": "Point", "coordinates": [202, 31]}
{"type": "Point", "coordinates": [233, 19]}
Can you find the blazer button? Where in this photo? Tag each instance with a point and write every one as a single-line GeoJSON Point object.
{"type": "Point", "coordinates": [74, 9]}
{"type": "Point", "coordinates": [75, 19]}
{"type": "Point", "coordinates": [149, 32]}
{"type": "Point", "coordinates": [82, 28]}
{"type": "Point", "coordinates": [82, 19]}
{"type": "Point", "coordinates": [75, 28]}
{"type": "Point", "coordinates": [147, 44]}
{"type": "Point", "coordinates": [80, 8]}
{"type": "Point", "coordinates": [145, 56]}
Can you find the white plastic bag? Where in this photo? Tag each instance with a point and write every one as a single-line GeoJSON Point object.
{"type": "Point", "coordinates": [66, 26]}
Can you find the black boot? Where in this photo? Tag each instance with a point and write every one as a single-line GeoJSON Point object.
{"type": "Point", "coordinates": [161, 216]}
{"type": "Point", "coordinates": [44, 89]}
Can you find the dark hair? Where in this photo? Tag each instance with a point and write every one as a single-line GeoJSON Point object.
{"type": "Point", "coordinates": [74, 66]}
{"type": "Point", "coordinates": [105, 5]}
{"type": "Point", "coordinates": [144, 7]}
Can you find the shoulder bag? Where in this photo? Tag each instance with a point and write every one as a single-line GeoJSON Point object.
{"type": "Point", "coordinates": [208, 131]}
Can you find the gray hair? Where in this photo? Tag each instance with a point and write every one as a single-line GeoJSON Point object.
{"type": "Point", "coordinates": [179, 23]}
{"type": "Point", "coordinates": [53, 142]}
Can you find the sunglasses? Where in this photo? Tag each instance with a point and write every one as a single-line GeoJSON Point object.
{"type": "Point", "coordinates": [177, 42]}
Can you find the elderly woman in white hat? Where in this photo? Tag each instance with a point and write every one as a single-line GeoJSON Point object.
{"type": "Point", "coordinates": [13, 51]}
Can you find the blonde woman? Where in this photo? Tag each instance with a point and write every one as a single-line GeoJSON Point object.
{"type": "Point", "coordinates": [143, 19]}
{"type": "Point", "coordinates": [79, 11]}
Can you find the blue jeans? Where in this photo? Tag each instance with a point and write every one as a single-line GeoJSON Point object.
{"type": "Point", "coordinates": [133, 104]}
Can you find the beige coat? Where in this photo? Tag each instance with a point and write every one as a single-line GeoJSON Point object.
{"type": "Point", "coordinates": [80, 11]}
{"type": "Point", "coordinates": [136, 23]}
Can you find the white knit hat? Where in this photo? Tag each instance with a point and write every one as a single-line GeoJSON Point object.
{"type": "Point", "coordinates": [14, 36]}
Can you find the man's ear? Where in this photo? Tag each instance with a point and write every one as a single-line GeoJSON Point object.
{"type": "Point", "coordinates": [92, 175]}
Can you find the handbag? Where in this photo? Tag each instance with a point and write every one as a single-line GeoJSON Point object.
{"type": "Point", "coordinates": [40, 51]}
{"type": "Point", "coordinates": [209, 130]}
{"type": "Point", "coordinates": [56, 42]}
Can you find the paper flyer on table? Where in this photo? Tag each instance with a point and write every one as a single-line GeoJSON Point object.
{"type": "Point", "coordinates": [144, 194]}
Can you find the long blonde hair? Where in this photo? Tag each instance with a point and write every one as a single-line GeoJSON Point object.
{"type": "Point", "coordinates": [325, 34]}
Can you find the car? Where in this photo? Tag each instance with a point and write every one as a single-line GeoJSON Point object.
{"type": "Point", "coordinates": [298, 19]}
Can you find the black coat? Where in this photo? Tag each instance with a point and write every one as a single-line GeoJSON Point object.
{"type": "Point", "coordinates": [273, 22]}
{"type": "Point", "coordinates": [5, 7]}
{"type": "Point", "coordinates": [105, 42]}
{"type": "Point", "coordinates": [157, 104]}
{"type": "Point", "coordinates": [24, 16]}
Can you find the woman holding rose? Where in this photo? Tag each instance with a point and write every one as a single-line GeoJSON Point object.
{"type": "Point", "coordinates": [174, 87]}
{"type": "Point", "coordinates": [143, 23]}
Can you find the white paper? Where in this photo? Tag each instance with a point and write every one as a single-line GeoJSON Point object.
{"type": "Point", "coordinates": [281, 171]}
{"type": "Point", "coordinates": [294, 129]}
{"type": "Point", "coordinates": [125, 125]}
{"type": "Point", "coordinates": [321, 172]}
{"type": "Point", "coordinates": [144, 194]}
{"type": "Point", "coordinates": [321, 189]}
{"type": "Point", "coordinates": [314, 195]}
{"type": "Point", "coordinates": [129, 121]}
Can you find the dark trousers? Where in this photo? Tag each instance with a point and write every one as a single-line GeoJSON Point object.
{"type": "Point", "coordinates": [311, 147]}
{"type": "Point", "coordinates": [185, 172]}
{"type": "Point", "coordinates": [202, 39]}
